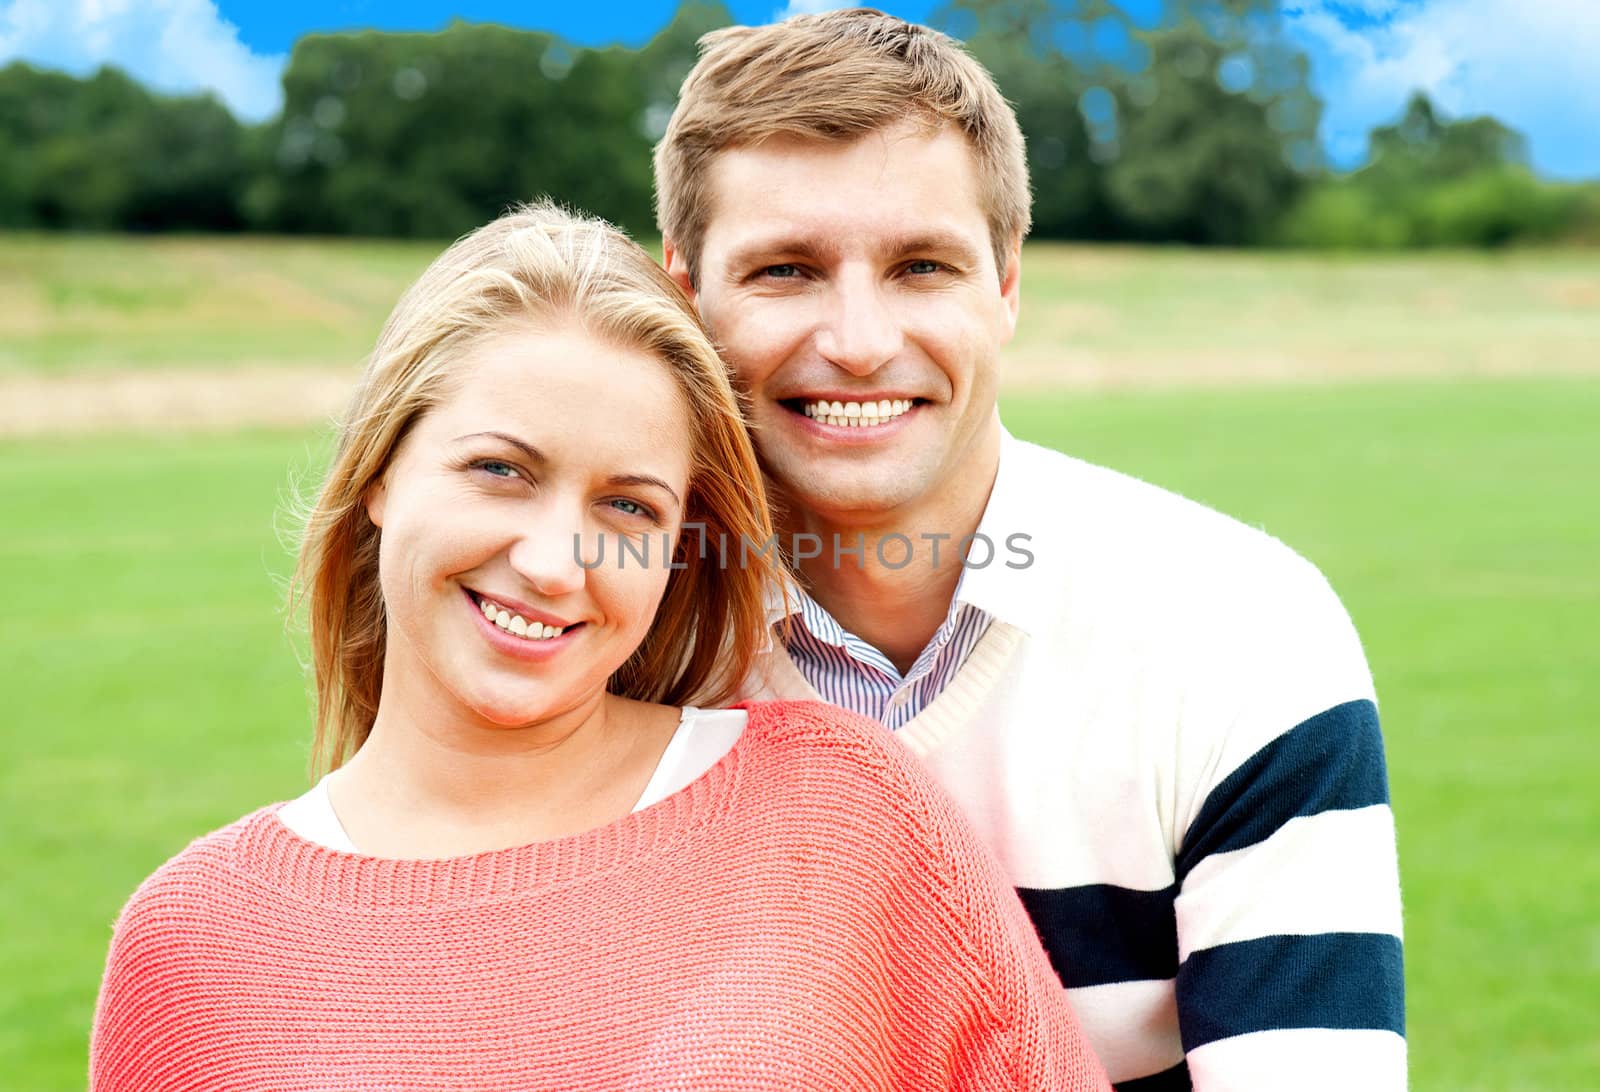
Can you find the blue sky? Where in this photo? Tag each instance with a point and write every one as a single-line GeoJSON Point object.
{"type": "Point", "coordinates": [1535, 64]}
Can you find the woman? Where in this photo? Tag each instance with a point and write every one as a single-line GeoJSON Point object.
{"type": "Point", "coordinates": [534, 864]}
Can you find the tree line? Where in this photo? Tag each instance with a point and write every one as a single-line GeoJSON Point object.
{"type": "Point", "coordinates": [1199, 130]}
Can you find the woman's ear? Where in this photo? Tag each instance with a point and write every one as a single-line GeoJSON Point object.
{"type": "Point", "coordinates": [377, 494]}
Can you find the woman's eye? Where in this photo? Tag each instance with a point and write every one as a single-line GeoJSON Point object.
{"type": "Point", "coordinates": [496, 468]}
{"type": "Point", "coordinates": [630, 508]}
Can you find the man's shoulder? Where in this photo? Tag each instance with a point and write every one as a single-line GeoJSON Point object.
{"type": "Point", "coordinates": [1132, 543]}
{"type": "Point", "coordinates": [1109, 510]}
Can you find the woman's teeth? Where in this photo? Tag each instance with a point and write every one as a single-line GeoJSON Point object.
{"type": "Point", "coordinates": [856, 414]}
{"type": "Point", "coordinates": [516, 623]}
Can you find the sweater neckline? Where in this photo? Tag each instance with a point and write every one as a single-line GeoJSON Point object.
{"type": "Point", "coordinates": [275, 856]}
{"type": "Point", "coordinates": [953, 708]}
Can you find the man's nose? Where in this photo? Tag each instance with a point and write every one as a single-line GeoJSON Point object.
{"type": "Point", "coordinates": [861, 331]}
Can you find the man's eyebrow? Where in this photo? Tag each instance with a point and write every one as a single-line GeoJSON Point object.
{"type": "Point", "coordinates": [934, 242]}
{"type": "Point", "coordinates": [643, 479]}
{"type": "Point", "coordinates": [533, 453]}
{"type": "Point", "coordinates": [763, 250]}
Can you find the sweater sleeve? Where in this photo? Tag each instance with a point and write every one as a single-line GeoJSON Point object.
{"type": "Point", "coordinates": [143, 1036]}
{"type": "Point", "coordinates": [1037, 1044]}
{"type": "Point", "coordinates": [122, 1051]}
{"type": "Point", "coordinates": [1288, 906]}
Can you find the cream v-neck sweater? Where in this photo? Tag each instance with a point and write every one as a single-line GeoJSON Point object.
{"type": "Point", "coordinates": [1169, 737]}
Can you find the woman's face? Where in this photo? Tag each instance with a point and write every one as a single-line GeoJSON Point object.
{"type": "Point", "coordinates": [550, 440]}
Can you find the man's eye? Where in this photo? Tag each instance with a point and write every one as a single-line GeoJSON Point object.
{"type": "Point", "coordinates": [782, 272]}
{"type": "Point", "coordinates": [923, 267]}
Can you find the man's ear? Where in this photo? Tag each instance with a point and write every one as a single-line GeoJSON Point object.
{"type": "Point", "coordinates": [1011, 282]}
{"type": "Point", "coordinates": [677, 268]}
{"type": "Point", "coordinates": [377, 496]}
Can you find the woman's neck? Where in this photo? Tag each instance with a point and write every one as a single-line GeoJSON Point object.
{"type": "Point", "coordinates": [425, 786]}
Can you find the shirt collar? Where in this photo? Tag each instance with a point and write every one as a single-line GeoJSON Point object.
{"type": "Point", "coordinates": [1022, 530]}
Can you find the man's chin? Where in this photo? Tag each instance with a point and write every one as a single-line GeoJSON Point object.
{"type": "Point", "coordinates": [858, 499]}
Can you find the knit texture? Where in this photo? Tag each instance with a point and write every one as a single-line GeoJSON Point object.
{"type": "Point", "coordinates": [810, 914]}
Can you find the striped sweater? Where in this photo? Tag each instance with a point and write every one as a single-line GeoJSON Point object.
{"type": "Point", "coordinates": [809, 914]}
{"type": "Point", "coordinates": [1168, 733]}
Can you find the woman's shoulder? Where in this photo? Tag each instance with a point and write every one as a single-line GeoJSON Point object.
{"type": "Point", "coordinates": [192, 877]}
{"type": "Point", "coordinates": [904, 837]}
{"type": "Point", "coordinates": [843, 756]}
{"type": "Point", "coordinates": [821, 731]}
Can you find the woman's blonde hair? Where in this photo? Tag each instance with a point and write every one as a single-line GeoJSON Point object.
{"type": "Point", "coordinates": [544, 265]}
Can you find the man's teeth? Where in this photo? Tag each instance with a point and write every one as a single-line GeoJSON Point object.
{"type": "Point", "coordinates": [857, 414]}
{"type": "Point", "coordinates": [516, 623]}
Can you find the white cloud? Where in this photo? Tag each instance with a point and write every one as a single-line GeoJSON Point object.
{"type": "Point", "coordinates": [170, 45]}
{"type": "Point", "coordinates": [1529, 64]}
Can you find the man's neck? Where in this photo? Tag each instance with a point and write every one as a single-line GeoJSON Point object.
{"type": "Point", "coordinates": [896, 591]}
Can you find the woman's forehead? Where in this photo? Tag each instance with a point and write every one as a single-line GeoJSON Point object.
{"type": "Point", "coordinates": [570, 395]}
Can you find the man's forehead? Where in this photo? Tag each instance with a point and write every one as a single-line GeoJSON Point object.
{"type": "Point", "coordinates": [882, 149]}
{"type": "Point", "coordinates": [911, 186]}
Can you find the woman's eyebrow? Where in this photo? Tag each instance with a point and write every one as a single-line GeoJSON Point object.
{"type": "Point", "coordinates": [533, 453]}
{"type": "Point", "coordinates": [644, 479]}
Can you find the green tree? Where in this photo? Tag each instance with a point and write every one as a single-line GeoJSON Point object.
{"type": "Point", "coordinates": [432, 134]}
{"type": "Point", "coordinates": [105, 153]}
{"type": "Point", "coordinates": [1202, 129]}
{"type": "Point", "coordinates": [1422, 146]}
{"type": "Point", "coordinates": [1431, 181]}
{"type": "Point", "coordinates": [1204, 155]}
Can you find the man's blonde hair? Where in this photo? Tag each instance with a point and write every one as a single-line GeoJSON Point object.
{"type": "Point", "coordinates": [834, 76]}
{"type": "Point", "coordinates": [535, 267]}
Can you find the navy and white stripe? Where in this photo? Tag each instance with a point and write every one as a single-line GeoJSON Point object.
{"type": "Point", "coordinates": [849, 672]}
{"type": "Point", "coordinates": [1320, 791]}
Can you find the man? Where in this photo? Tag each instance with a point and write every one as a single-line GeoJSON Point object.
{"type": "Point", "coordinates": [1160, 719]}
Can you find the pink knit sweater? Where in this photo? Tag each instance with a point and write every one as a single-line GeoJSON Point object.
{"type": "Point", "coordinates": [811, 914]}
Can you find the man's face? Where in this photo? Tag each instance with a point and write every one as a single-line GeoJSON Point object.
{"type": "Point", "coordinates": [852, 287]}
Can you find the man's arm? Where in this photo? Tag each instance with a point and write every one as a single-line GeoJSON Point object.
{"type": "Point", "coordinates": [1288, 907]}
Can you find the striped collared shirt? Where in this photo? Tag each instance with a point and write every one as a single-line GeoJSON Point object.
{"type": "Point", "coordinates": [847, 671]}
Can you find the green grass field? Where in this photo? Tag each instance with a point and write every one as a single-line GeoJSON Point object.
{"type": "Point", "coordinates": [1100, 313]}
{"type": "Point", "coordinates": [153, 693]}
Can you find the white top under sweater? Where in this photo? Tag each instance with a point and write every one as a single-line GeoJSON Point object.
{"type": "Point", "coordinates": [1169, 736]}
{"type": "Point", "coordinates": [700, 740]}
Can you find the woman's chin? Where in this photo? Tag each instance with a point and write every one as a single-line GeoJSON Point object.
{"type": "Point", "coordinates": [515, 696]}
{"type": "Point", "coordinates": [509, 713]}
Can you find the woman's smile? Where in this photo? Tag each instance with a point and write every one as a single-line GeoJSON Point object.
{"type": "Point", "coordinates": [517, 634]}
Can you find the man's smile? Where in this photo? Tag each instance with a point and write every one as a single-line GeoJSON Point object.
{"type": "Point", "coordinates": [852, 414]}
